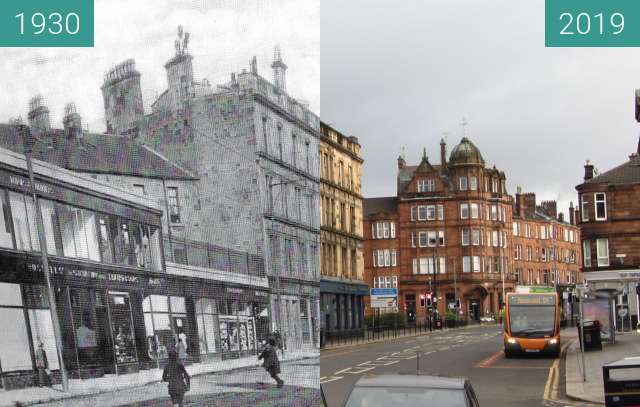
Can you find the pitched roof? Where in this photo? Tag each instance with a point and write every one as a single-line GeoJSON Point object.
{"type": "Point", "coordinates": [387, 204]}
{"type": "Point", "coordinates": [626, 173]}
{"type": "Point", "coordinates": [97, 153]}
{"type": "Point", "coordinates": [405, 175]}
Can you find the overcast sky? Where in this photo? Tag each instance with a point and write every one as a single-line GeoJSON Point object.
{"type": "Point", "coordinates": [400, 73]}
{"type": "Point", "coordinates": [225, 34]}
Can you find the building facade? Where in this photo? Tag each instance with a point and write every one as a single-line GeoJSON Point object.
{"type": "Point", "coordinates": [342, 286]}
{"type": "Point", "coordinates": [609, 219]}
{"type": "Point", "coordinates": [254, 151]}
{"type": "Point", "coordinates": [452, 236]}
{"type": "Point", "coordinates": [546, 249]}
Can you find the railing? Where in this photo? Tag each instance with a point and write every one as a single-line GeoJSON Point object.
{"type": "Point", "coordinates": [382, 332]}
{"type": "Point", "coordinates": [201, 254]}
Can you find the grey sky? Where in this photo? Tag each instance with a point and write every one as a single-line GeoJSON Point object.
{"type": "Point", "coordinates": [400, 73]}
{"type": "Point", "coordinates": [225, 34]}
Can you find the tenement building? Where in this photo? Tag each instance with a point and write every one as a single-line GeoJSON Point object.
{"type": "Point", "coordinates": [447, 234]}
{"type": "Point", "coordinates": [609, 221]}
{"type": "Point", "coordinates": [255, 152]}
{"type": "Point", "coordinates": [342, 286]}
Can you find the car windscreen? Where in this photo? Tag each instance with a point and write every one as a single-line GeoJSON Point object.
{"type": "Point", "coordinates": [532, 321]}
{"type": "Point", "coordinates": [405, 397]}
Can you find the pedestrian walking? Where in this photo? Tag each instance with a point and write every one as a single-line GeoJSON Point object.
{"type": "Point", "coordinates": [182, 350]}
{"type": "Point", "coordinates": [271, 362]}
{"type": "Point", "coordinates": [42, 365]}
{"type": "Point", "coordinates": [177, 377]}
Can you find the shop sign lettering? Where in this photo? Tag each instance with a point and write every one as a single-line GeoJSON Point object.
{"type": "Point", "coordinates": [24, 183]}
{"type": "Point", "coordinates": [93, 274]}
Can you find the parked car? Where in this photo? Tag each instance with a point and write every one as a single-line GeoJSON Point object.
{"type": "Point", "coordinates": [411, 390]}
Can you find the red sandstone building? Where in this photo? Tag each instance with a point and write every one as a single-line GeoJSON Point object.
{"type": "Point", "coordinates": [546, 249]}
{"type": "Point", "coordinates": [609, 220]}
{"type": "Point", "coordinates": [446, 232]}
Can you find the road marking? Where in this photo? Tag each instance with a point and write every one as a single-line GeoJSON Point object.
{"type": "Point", "coordinates": [324, 380]}
{"type": "Point", "coordinates": [551, 386]}
{"type": "Point", "coordinates": [490, 360]}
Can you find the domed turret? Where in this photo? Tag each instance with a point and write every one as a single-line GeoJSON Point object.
{"type": "Point", "coordinates": [465, 153]}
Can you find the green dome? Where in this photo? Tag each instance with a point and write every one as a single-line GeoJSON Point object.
{"type": "Point", "coordinates": [465, 153]}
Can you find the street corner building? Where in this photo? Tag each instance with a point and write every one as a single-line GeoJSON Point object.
{"type": "Point", "coordinates": [254, 151]}
{"type": "Point", "coordinates": [450, 239]}
{"type": "Point", "coordinates": [608, 216]}
{"type": "Point", "coordinates": [195, 221]}
{"type": "Point", "coordinates": [447, 233]}
{"type": "Point", "coordinates": [342, 285]}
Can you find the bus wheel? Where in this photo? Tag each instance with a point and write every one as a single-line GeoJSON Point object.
{"type": "Point", "coordinates": [508, 354]}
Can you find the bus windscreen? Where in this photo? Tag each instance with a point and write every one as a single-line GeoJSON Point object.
{"type": "Point", "coordinates": [532, 316]}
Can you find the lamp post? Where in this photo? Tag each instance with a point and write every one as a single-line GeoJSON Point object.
{"type": "Point", "coordinates": [28, 141]}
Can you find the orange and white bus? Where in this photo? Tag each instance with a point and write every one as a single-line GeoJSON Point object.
{"type": "Point", "coordinates": [532, 324]}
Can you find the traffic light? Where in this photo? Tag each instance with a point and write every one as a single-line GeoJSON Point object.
{"type": "Point", "coordinates": [435, 299]}
{"type": "Point", "coordinates": [457, 303]}
{"type": "Point", "coordinates": [428, 299]}
{"type": "Point", "coordinates": [422, 300]}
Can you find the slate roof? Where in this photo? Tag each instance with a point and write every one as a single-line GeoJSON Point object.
{"type": "Point", "coordinates": [627, 173]}
{"type": "Point", "coordinates": [405, 175]}
{"type": "Point", "coordinates": [96, 153]}
{"type": "Point", "coordinates": [387, 204]}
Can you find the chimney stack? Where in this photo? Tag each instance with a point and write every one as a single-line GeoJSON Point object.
{"type": "Point", "coordinates": [254, 65]}
{"type": "Point", "coordinates": [561, 217]}
{"type": "Point", "coordinates": [588, 170]}
{"type": "Point", "coordinates": [39, 115]}
{"type": "Point", "coordinates": [443, 155]}
{"type": "Point", "coordinates": [401, 162]}
{"type": "Point", "coordinates": [572, 213]}
{"type": "Point", "coordinates": [72, 122]}
{"type": "Point", "coordinates": [279, 70]}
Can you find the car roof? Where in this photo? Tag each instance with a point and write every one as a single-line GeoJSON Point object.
{"type": "Point", "coordinates": [401, 380]}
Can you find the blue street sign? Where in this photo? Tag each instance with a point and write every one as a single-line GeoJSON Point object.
{"type": "Point", "coordinates": [385, 292]}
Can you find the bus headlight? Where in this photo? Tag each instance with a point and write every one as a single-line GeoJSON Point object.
{"type": "Point", "coordinates": [512, 340]}
{"type": "Point", "coordinates": [553, 341]}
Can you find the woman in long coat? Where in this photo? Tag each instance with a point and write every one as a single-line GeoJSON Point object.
{"type": "Point", "coordinates": [177, 377]}
{"type": "Point", "coordinates": [271, 362]}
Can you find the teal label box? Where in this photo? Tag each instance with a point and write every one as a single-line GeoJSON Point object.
{"type": "Point", "coordinates": [592, 23]}
{"type": "Point", "coordinates": [46, 23]}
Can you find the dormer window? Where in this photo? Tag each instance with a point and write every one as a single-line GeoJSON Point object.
{"type": "Point", "coordinates": [426, 185]}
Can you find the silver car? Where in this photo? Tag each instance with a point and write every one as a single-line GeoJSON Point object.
{"type": "Point", "coordinates": [411, 391]}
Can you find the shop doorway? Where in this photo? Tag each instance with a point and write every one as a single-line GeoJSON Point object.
{"type": "Point", "coordinates": [125, 352]}
{"type": "Point", "coordinates": [474, 310]}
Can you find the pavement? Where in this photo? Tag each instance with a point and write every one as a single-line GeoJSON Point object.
{"type": "Point", "coordinates": [592, 390]}
{"type": "Point", "coordinates": [475, 353]}
{"type": "Point", "coordinates": [107, 388]}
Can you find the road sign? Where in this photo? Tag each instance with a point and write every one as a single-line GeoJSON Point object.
{"type": "Point", "coordinates": [384, 297]}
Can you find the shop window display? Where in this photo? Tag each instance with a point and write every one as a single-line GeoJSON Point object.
{"type": "Point", "coordinates": [14, 341]}
{"type": "Point", "coordinates": [122, 328]}
{"type": "Point", "coordinates": [206, 317]}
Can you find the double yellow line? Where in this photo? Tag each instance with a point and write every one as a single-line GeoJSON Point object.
{"type": "Point", "coordinates": [551, 387]}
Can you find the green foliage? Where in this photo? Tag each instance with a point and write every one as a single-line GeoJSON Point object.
{"type": "Point", "coordinates": [388, 320]}
{"type": "Point", "coordinates": [449, 315]}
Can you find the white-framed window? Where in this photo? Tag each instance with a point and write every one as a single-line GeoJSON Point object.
{"type": "Point", "coordinates": [379, 233]}
{"type": "Point", "coordinates": [527, 230]}
{"type": "Point", "coordinates": [431, 212]}
{"type": "Point", "coordinates": [504, 214]}
{"type": "Point", "coordinates": [474, 211]}
{"type": "Point", "coordinates": [544, 254]}
{"type": "Point", "coordinates": [413, 213]}
{"type": "Point", "coordinates": [543, 232]}
{"type": "Point", "coordinates": [584, 207]}
{"type": "Point", "coordinates": [495, 239]}
{"type": "Point", "coordinates": [432, 241]}
{"type": "Point", "coordinates": [487, 212]}
{"type": "Point", "coordinates": [442, 267]}
{"type": "Point", "coordinates": [173, 199]}
{"type": "Point", "coordinates": [426, 185]}
{"type": "Point", "coordinates": [385, 230]}
{"type": "Point", "coordinates": [529, 253]}
{"type": "Point", "coordinates": [441, 238]}
{"type": "Point", "coordinates": [422, 239]}
{"type": "Point", "coordinates": [466, 264]}
{"type": "Point", "coordinates": [387, 258]}
{"type": "Point", "coordinates": [473, 183]}
{"type": "Point", "coordinates": [494, 212]}
{"type": "Point", "coordinates": [586, 253]}
{"type": "Point", "coordinates": [475, 237]}
{"type": "Point", "coordinates": [422, 213]}
{"type": "Point", "coordinates": [465, 237]}
{"type": "Point", "coordinates": [393, 229]}
{"type": "Point", "coordinates": [394, 258]}
{"type": "Point", "coordinates": [440, 212]}
{"type": "Point", "coordinates": [566, 235]}
{"type": "Point", "coordinates": [516, 228]}
{"type": "Point", "coordinates": [486, 184]}
{"type": "Point", "coordinates": [602, 251]}
{"type": "Point", "coordinates": [463, 183]}
{"type": "Point", "coordinates": [464, 211]}
{"type": "Point", "coordinates": [600, 205]}
{"type": "Point", "coordinates": [413, 239]}
{"type": "Point", "coordinates": [476, 264]}
{"type": "Point", "coordinates": [494, 185]}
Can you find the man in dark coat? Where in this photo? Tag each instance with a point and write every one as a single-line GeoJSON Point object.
{"type": "Point", "coordinates": [178, 378]}
{"type": "Point", "coordinates": [271, 362]}
{"type": "Point", "coordinates": [42, 364]}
